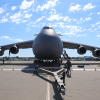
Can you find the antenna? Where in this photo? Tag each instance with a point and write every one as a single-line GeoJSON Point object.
{"type": "Point", "coordinates": [35, 34]}
{"type": "Point", "coordinates": [60, 34]}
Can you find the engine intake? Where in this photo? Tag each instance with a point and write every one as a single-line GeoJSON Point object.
{"type": "Point", "coordinates": [14, 50]}
{"type": "Point", "coordinates": [81, 50]}
{"type": "Point", "coordinates": [1, 52]}
{"type": "Point", "coordinates": [96, 53]}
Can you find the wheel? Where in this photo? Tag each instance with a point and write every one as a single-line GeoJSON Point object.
{"type": "Point", "coordinates": [55, 61]}
{"type": "Point", "coordinates": [52, 63]}
{"type": "Point", "coordinates": [43, 63]}
{"type": "Point", "coordinates": [49, 63]}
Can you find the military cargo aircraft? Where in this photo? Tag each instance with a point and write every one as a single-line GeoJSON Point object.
{"type": "Point", "coordinates": [48, 46]}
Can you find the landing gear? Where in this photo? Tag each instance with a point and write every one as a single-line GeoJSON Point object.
{"type": "Point", "coordinates": [43, 63]}
{"type": "Point", "coordinates": [49, 63]}
{"type": "Point", "coordinates": [52, 63]}
{"type": "Point", "coordinates": [46, 63]}
{"type": "Point", "coordinates": [55, 61]}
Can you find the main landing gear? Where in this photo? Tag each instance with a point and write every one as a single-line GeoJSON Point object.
{"type": "Point", "coordinates": [46, 63]}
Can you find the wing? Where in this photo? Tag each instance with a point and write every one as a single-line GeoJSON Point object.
{"type": "Point", "coordinates": [20, 45]}
{"type": "Point", "coordinates": [81, 48]}
{"type": "Point", "coordinates": [14, 48]}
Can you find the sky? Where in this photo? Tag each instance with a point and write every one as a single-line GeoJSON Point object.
{"type": "Point", "coordinates": [77, 20]}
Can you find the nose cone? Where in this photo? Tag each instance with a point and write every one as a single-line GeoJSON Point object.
{"type": "Point", "coordinates": [47, 44]}
{"type": "Point", "coordinates": [48, 30]}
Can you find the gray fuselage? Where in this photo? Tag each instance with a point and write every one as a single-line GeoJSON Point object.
{"type": "Point", "coordinates": [47, 45]}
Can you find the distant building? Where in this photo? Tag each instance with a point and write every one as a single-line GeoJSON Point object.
{"type": "Point", "coordinates": [88, 58]}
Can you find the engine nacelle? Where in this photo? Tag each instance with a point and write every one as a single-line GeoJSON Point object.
{"type": "Point", "coordinates": [14, 50]}
{"type": "Point", "coordinates": [1, 52]}
{"type": "Point", "coordinates": [96, 53]}
{"type": "Point", "coordinates": [81, 50]}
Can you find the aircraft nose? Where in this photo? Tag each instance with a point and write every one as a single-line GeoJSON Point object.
{"type": "Point", "coordinates": [48, 46]}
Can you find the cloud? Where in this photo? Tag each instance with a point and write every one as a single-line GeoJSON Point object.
{"type": "Point", "coordinates": [54, 17]}
{"type": "Point", "coordinates": [53, 11]}
{"type": "Point", "coordinates": [4, 37]}
{"type": "Point", "coordinates": [19, 40]}
{"type": "Point", "coordinates": [4, 20]}
{"type": "Point", "coordinates": [71, 4]}
{"type": "Point", "coordinates": [14, 8]}
{"type": "Point", "coordinates": [66, 18]}
{"type": "Point", "coordinates": [98, 35]}
{"type": "Point", "coordinates": [25, 11]}
{"type": "Point", "coordinates": [88, 6]}
{"type": "Point", "coordinates": [12, 28]}
{"type": "Point", "coordinates": [25, 4]}
{"type": "Point", "coordinates": [73, 28]}
{"type": "Point", "coordinates": [28, 15]}
{"type": "Point", "coordinates": [27, 29]}
{"type": "Point", "coordinates": [84, 29]}
{"type": "Point", "coordinates": [81, 35]}
{"type": "Point", "coordinates": [58, 17]}
{"type": "Point", "coordinates": [70, 33]}
{"type": "Point", "coordinates": [89, 29]}
{"type": "Point", "coordinates": [24, 21]}
{"type": "Point", "coordinates": [89, 18]}
{"type": "Point", "coordinates": [98, 13]}
{"type": "Point", "coordinates": [61, 25]}
{"type": "Point", "coordinates": [93, 25]}
{"type": "Point", "coordinates": [49, 4]}
{"type": "Point", "coordinates": [8, 38]}
{"type": "Point", "coordinates": [7, 14]}
{"type": "Point", "coordinates": [90, 14]}
{"type": "Point", "coordinates": [16, 17]}
{"type": "Point", "coordinates": [77, 7]}
{"type": "Point", "coordinates": [93, 30]}
{"type": "Point", "coordinates": [39, 19]}
{"type": "Point", "coordinates": [1, 10]}
{"type": "Point", "coordinates": [81, 18]}
{"type": "Point", "coordinates": [20, 17]}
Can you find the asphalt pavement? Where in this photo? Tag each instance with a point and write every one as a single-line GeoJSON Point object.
{"type": "Point", "coordinates": [23, 85]}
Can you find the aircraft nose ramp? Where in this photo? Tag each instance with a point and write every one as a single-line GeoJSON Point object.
{"type": "Point", "coordinates": [59, 83]}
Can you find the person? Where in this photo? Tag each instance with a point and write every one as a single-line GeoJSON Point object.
{"type": "Point", "coordinates": [63, 76]}
{"type": "Point", "coordinates": [35, 71]}
{"type": "Point", "coordinates": [3, 61]}
{"type": "Point", "coordinates": [68, 66]}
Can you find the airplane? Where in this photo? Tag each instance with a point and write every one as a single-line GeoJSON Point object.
{"type": "Point", "coordinates": [48, 46]}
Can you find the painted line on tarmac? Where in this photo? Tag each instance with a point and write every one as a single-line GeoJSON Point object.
{"type": "Point", "coordinates": [85, 69]}
{"type": "Point", "coordinates": [48, 89]}
{"type": "Point", "coordinates": [33, 69]}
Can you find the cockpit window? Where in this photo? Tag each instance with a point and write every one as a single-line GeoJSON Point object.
{"type": "Point", "coordinates": [47, 27]}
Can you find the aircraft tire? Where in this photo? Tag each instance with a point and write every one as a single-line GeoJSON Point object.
{"type": "Point", "coordinates": [43, 63]}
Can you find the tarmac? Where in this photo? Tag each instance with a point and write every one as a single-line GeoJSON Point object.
{"type": "Point", "coordinates": [23, 85]}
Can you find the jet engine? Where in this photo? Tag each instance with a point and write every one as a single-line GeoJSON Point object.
{"type": "Point", "coordinates": [14, 50]}
{"type": "Point", "coordinates": [1, 52]}
{"type": "Point", "coordinates": [81, 50]}
{"type": "Point", "coordinates": [96, 53]}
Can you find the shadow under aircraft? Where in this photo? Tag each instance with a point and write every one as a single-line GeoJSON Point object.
{"type": "Point", "coordinates": [57, 95]}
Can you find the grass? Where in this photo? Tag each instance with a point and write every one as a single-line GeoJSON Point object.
{"type": "Point", "coordinates": [98, 65]}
